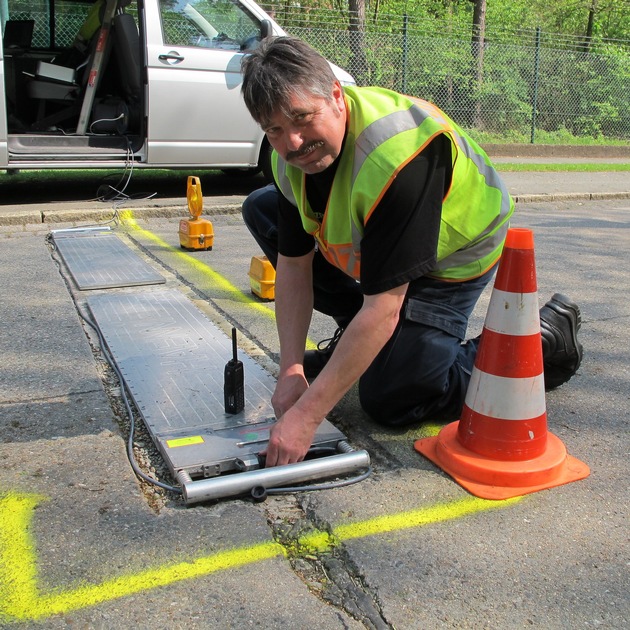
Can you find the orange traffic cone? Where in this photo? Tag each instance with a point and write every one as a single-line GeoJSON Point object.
{"type": "Point", "coordinates": [500, 448]}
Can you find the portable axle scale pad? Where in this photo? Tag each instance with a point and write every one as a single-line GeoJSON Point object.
{"type": "Point", "coordinates": [98, 259]}
{"type": "Point", "coordinates": [172, 360]}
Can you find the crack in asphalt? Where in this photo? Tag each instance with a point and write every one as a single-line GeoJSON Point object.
{"type": "Point", "coordinates": [329, 573]}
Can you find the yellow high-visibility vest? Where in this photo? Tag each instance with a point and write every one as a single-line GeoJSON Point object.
{"type": "Point", "coordinates": [386, 131]}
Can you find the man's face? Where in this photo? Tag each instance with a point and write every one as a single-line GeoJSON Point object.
{"type": "Point", "coordinates": [310, 138]}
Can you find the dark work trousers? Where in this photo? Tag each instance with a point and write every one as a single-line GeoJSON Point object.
{"type": "Point", "coordinates": [336, 294]}
{"type": "Point", "coordinates": [423, 371]}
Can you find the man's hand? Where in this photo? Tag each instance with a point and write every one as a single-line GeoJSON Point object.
{"type": "Point", "coordinates": [289, 388]}
{"type": "Point", "coordinates": [289, 439]}
{"type": "Point", "coordinates": [300, 408]}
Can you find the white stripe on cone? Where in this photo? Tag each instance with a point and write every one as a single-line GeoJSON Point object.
{"type": "Point", "coordinates": [506, 398]}
{"type": "Point", "coordinates": [513, 313]}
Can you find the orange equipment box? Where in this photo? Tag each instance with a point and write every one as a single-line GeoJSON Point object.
{"type": "Point", "coordinates": [262, 278]}
{"type": "Point", "coordinates": [195, 233]}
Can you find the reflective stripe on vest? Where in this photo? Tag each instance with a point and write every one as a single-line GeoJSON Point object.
{"type": "Point", "coordinates": [489, 245]}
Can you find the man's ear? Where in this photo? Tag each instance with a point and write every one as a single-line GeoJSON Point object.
{"type": "Point", "coordinates": [338, 96]}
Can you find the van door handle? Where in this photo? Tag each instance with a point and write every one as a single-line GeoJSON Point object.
{"type": "Point", "coordinates": [171, 56]}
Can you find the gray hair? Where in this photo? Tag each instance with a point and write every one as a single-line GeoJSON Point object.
{"type": "Point", "coordinates": [279, 69]}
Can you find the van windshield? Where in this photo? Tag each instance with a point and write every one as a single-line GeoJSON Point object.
{"type": "Point", "coordinates": [208, 24]}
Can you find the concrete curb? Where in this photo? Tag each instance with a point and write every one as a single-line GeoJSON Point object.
{"type": "Point", "coordinates": [97, 212]}
{"type": "Point", "coordinates": [71, 215]}
{"type": "Point", "coordinates": [55, 215]}
{"type": "Point", "coordinates": [28, 217]}
{"type": "Point", "coordinates": [538, 198]}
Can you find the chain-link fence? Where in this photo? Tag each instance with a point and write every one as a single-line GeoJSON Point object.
{"type": "Point", "coordinates": [516, 85]}
{"type": "Point", "coordinates": [67, 27]}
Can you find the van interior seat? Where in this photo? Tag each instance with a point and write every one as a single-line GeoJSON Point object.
{"type": "Point", "coordinates": [126, 47]}
{"type": "Point", "coordinates": [61, 86]}
{"type": "Point", "coordinates": [64, 88]}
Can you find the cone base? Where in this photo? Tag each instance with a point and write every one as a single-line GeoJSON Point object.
{"type": "Point", "coordinates": [488, 478]}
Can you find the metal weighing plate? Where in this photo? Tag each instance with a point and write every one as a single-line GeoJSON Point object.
{"type": "Point", "coordinates": [172, 359]}
{"type": "Point", "coordinates": [100, 260]}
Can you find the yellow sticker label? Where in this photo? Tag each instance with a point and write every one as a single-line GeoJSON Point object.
{"type": "Point", "coordinates": [186, 441]}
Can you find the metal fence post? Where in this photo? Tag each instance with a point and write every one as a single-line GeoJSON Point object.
{"type": "Point", "coordinates": [536, 76]}
{"type": "Point", "coordinates": [405, 52]}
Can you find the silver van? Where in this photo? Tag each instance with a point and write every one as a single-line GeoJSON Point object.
{"type": "Point", "coordinates": [153, 83]}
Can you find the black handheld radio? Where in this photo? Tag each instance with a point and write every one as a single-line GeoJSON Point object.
{"type": "Point", "coordinates": [234, 387]}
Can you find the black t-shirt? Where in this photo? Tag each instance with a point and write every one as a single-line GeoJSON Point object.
{"type": "Point", "coordinates": [400, 238]}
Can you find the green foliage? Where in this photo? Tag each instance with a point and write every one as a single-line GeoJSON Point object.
{"type": "Point", "coordinates": [566, 17]}
{"type": "Point", "coordinates": [547, 80]}
{"type": "Point", "coordinates": [612, 18]}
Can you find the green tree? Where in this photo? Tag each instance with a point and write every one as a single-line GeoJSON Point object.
{"type": "Point", "coordinates": [356, 28]}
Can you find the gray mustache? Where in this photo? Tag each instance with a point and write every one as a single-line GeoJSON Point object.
{"type": "Point", "coordinates": [304, 150]}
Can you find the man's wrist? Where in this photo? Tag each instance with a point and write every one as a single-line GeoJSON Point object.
{"type": "Point", "coordinates": [292, 369]}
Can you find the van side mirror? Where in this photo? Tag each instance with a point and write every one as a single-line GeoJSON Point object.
{"type": "Point", "coordinates": [265, 29]}
{"type": "Point", "coordinates": [253, 40]}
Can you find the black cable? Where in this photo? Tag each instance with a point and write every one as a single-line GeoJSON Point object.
{"type": "Point", "coordinates": [322, 486]}
{"type": "Point", "coordinates": [130, 455]}
{"type": "Point", "coordinates": [132, 421]}
{"type": "Point", "coordinates": [123, 390]}
{"type": "Point", "coordinates": [119, 194]}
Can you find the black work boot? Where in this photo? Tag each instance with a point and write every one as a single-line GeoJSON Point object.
{"type": "Point", "coordinates": [560, 320]}
{"type": "Point", "coordinates": [315, 360]}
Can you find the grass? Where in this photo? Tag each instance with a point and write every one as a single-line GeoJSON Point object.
{"type": "Point", "coordinates": [145, 177]}
{"type": "Point", "coordinates": [514, 167]}
{"type": "Point", "coordinates": [42, 177]}
{"type": "Point", "coordinates": [558, 137]}
{"type": "Point", "coordinates": [110, 176]}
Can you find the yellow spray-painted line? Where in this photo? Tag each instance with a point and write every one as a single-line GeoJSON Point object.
{"type": "Point", "coordinates": [215, 279]}
{"type": "Point", "coordinates": [19, 595]}
{"type": "Point", "coordinates": [21, 600]}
